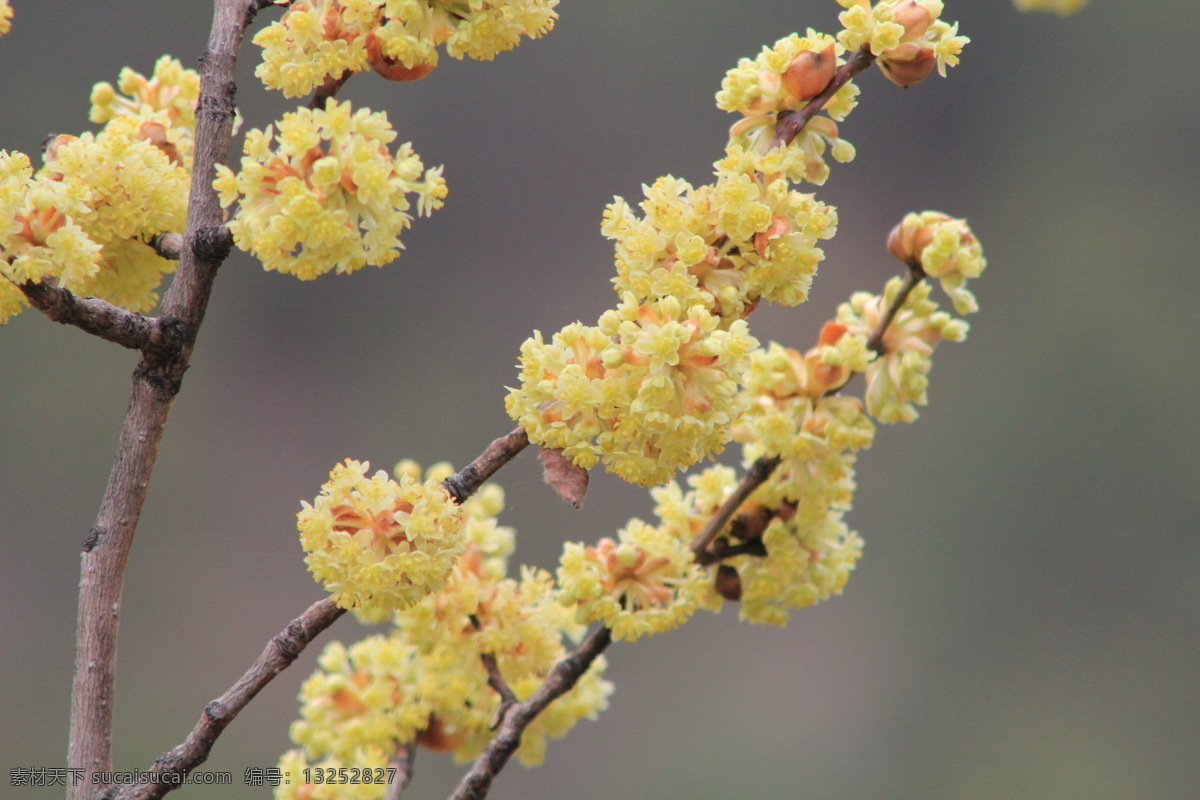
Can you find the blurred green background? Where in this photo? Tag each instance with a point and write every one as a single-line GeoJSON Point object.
{"type": "Point", "coordinates": [1025, 622]}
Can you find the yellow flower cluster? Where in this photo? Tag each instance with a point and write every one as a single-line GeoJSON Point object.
{"type": "Point", "coordinates": [6, 14]}
{"type": "Point", "coordinates": [163, 105]}
{"type": "Point", "coordinates": [1060, 7]}
{"type": "Point", "coordinates": [944, 248]}
{"type": "Point", "coordinates": [897, 380]}
{"type": "Point", "coordinates": [378, 544]}
{"type": "Point", "coordinates": [324, 193]}
{"type": "Point", "coordinates": [783, 79]}
{"type": "Point", "coordinates": [651, 389]}
{"type": "Point", "coordinates": [85, 217]}
{"type": "Point", "coordinates": [725, 245]}
{"type": "Point", "coordinates": [426, 681]}
{"type": "Point", "coordinates": [906, 36]}
{"type": "Point", "coordinates": [644, 583]}
{"type": "Point", "coordinates": [319, 40]}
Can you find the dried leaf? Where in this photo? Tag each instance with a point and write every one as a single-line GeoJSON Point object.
{"type": "Point", "coordinates": [570, 481]}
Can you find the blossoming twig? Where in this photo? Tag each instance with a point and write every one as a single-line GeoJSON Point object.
{"type": "Point", "coordinates": [565, 674]}
{"type": "Point", "coordinates": [758, 473]}
{"type": "Point", "coordinates": [790, 125]}
{"type": "Point", "coordinates": [915, 275]}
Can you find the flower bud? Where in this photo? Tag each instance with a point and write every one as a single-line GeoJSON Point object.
{"type": "Point", "coordinates": [156, 134]}
{"type": "Point", "coordinates": [908, 64]}
{"type": "Point", "coordinates": [915, 18]}
{"type": "Point", "coordinates": [913, 235]}
{"type": "Point", "coordinates": [809, 73]}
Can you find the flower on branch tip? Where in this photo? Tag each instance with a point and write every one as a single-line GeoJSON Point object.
{"type": "Point", "coordinates": [780, 81]}
{"type": "Point", "coordinates": [906, 36]}
{"type": "Point", "coordinates": [897, 380]}
{"type": "Point", "coordinates": [1061, 7]}
{"type": "Point", "coordinates": [378, 544]}
{"type": "Point", "coordinates": [324, 193]}
{"type": "Point", "coordinates": [944, 248]}
{"type": "Point", "coordinates": [644, 583]}
{"type": "Point", "coordinates": [320, 40]}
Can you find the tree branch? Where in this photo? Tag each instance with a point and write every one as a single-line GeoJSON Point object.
{"type": "Point", "coordinates": [467, 481]}
{"type": "Point", "coordinates": [403, 764]}
{"type": "Point", "coordinates": [101, 318]}
{"type": "Point", "coordinates": [915, 275]}
{"type": "Point", "coordinates": [279, 654]}
{"type": "Point", "coordinates": [156, 381]}
{"type": "Point", "coordinates": [756, 476]}
{"type": "Point", "coordinates": [562, 678]}
{"type": "Point", "coordinates": [789, 125]}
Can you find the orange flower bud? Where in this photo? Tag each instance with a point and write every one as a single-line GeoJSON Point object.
{"type": "Point", "coordinates": [809, 73]}
{"type": "Point", "coordinates": [156, 134]}
{"type": "Point", "coordinates": [908, 64]}
{"type": "Point", "coordinates": [915, 18]}
{"type": "Point", "coordinates": [912, 235]}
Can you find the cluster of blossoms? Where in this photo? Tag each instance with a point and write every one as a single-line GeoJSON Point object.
{"type": "Point", "coordinates": [324, 193]}
{"type": "Point", "coordinates": [655, 386]}
{"type": "Point", "coordinates": [85, 218]}
{"type": "Point", "coordinates": [164, 105]}
{"type": "Point", "coordinates": [906, 36]}
{"type": "Point", "coordinates": [426, 681]}
{"type": "Point", "coordinates": [780, 81]}
{"type": "Point", "coordinates": [379, 544]}
{"type": "Point", "coordinates": [320, 40]}
{"type": "Point", "coordinates": [6, 13]}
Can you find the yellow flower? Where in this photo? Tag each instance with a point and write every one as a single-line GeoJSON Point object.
{"type": "Point", "coordinates": [645, 583]}
{"type": "Point", "coordinates": [324, 193]}
{"type": "Point", "coordinates": [897, 380]}
{"type": "Point", "coordinates": [167, 100]}
{"type": "Point", "coordinates": [6, 14]}
{"type": "Point", "coordinates": [376, 543]}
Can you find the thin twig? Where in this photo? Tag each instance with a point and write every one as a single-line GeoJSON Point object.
{"type": "Point", "coordinates": [168, 245]}
{"type": "Point", "coordinates": [101, 318]}
{"type": "Point", "coordinates": [328, 89]}
{"type": "Point", "coordinates": [756, 476]}
{"type": "Point", "coordinates": [561, 679]}
{"type": "Point", "coordinates": [156, 381]}
{"type": "Point", "coordinates": [402, 762]}
{"type": "Point", "coordinates": [915, 275]}
{"type": "Point", "coordinates": [467, 481]}
{"type": "Point", "coordinates": [788, 126]}
{"type": "Point", "coordinates": [279, 654]}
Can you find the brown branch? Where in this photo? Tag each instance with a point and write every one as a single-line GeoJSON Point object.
{"type": "Point", "coordinates": [101, 318]}
{"type": "Point", "coordinates": [156, 381]}
{"type": "Point", "coordinates": [168, 245]}
{"type": "Point", "coordinates": [789, 125]}
{"type": "Point", "coordinates": [756, 476]}
{"type": "Point", "coordinates": [562, 678]}
{"type": "Point", "coordinates": [279, 654]}
{"type": "Point", "coordinates": [915, 275]}
{"type": "Point", "coordinates": [403, 764]}
{"type": "Point", "coordinates": [467, 481]}
{"type": "Point", "coordinates": [328, 89]}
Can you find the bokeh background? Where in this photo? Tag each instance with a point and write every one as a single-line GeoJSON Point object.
{"type": "Point", "coordinates": [1026, 620]}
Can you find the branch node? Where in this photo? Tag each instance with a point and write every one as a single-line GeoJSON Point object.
{"type": "Point", "coordinates": [213, 243]}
